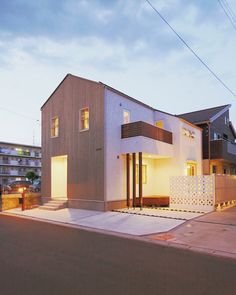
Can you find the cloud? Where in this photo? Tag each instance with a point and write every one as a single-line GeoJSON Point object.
{"type": "Point", "coordinates": [122, 43]}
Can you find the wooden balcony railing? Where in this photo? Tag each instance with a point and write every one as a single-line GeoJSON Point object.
{"type": "Point", "coordinates": [141, 128]}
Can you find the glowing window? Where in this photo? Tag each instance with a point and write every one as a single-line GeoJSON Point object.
{"type": "Point", "coordinates": [84, 119]}
{"type": "Point", "coordinates": [55, 127]}
{"type": "Point", "coordinates": [159, 124]}
{"type": "Point", "coordinates": [191, 169]}
{"type": "Point", "coordinates": [126, 116]}
{"type": "Point", "coordinates": [144, 172]}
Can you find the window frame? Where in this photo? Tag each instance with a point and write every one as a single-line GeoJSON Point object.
{"type": "Point", "coordinates": [80, 119]}
{"type": "Point", "coordinates": [216, 135]}
{"type": "Point", "coordinates": [128, 112]}
{"type": "Point", "coordinates": [52, 119]}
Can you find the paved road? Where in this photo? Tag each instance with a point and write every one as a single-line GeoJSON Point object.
{"type": "Point", "coordinates": [40, 258]}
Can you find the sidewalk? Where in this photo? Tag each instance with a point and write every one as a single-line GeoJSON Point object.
{"type": "Point", "coordinates": [134, 224]}
{"type": "Point", "coordinates": [214, 233]}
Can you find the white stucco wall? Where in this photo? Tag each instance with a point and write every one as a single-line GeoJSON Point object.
{"type": "Point", "coordinates": [158, 170]}
{"type": "Point", "coordinates": [150, 146]}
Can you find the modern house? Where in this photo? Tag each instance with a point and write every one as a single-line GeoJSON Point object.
{"type": "Point", "coordinates": [218, 139]}
{"type": "Point", "coordinates": [16, 160]}
{"type": "Point", "coordinates": [102, 149]}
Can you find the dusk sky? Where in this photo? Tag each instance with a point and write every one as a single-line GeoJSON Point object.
{"type": "Point", "coordinates": [122, 43]}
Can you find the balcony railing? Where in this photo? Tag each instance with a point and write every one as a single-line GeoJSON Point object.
{"type": "Point", "coordinates": [20, 163]}
{"type": "Point", "coordinates": [223, 149]}
{"type": "Point", "coordinates": [141, 128]}
{"type": "Point", "coordinates": [12, 152]}
{"type": "Point", "coordinates": [4, 172]}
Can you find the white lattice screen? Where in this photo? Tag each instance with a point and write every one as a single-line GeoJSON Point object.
{"type": "Point", "coordinates": [192, 192]}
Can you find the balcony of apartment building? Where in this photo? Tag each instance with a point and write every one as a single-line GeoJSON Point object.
{"type": "Point", "coordinates": [143, 137]}
{"type": "Point", "coordinates": [28, 163]}
{"type": "Point", "coordinates": [19, 162]}
{"type": "Point", "coordinates": [223, 149]}
{"type": "Point", "coordinates": [19, 152]}
{"type": "Point", "coordinates": [4, 172]}
{"type": "Point", "coordinates": [15, 172]}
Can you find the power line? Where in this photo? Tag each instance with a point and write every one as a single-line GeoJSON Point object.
{"type": "Point", "coordinates": [192, 51]}
{"type": "Point", "coordinates": [232, 14]}
{"type": "Point", "coordinates": [226, 7]}
{"type": "Point", "coordinates": [21, 115]}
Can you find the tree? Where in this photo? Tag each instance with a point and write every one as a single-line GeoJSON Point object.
{"type": "Point", "coordinates": [31, 175]}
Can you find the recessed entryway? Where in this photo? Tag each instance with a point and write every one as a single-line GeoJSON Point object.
{"type": "Point", "coordinates": [59, 177]}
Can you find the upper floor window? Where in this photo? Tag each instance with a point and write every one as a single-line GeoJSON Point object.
{"type": "Point", "coordinates": [217, 135]}
{"type": "Point", "coordinates": [55, 127]}
{"type": "Point", "coordinates": [159, 124]}
{"type": "Point", "coordinates": [126, 116]}
{"type": "Point", "coordinates": [225, 136]}
{"type": "Point", "coordinates": [84, 119]}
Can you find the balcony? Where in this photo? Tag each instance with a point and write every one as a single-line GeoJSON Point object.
{"type": "Point", "coordinates": [21, 163]}
{"type": "Point", "coordinates": [21, 153]}
{"type": "Point", "coordinates": [223, 149]}
{"type": "Point", "coordinates": [147, 130]}
{"type": "Point", "coordinates": [4, 172]}
{"type": "Point", "coordinates": [143, 137]}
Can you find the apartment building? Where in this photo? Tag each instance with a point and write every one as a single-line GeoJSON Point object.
{"type": "Point", "coordinates": [102, 149]}
{"type": "Point", "coordinates": [16, 160]}
{"type": "Point", "coordinates": [218, 139]}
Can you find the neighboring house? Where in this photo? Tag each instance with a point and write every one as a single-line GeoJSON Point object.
{"type": "Point", "coordinates": [218, 139]}
{"type": "Point", "coordinates": [16, 160]}
{"type": "Point", "coordinates": [102, 149]}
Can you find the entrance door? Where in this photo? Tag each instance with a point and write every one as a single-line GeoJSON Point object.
{"type": "Point", "coordinates": [59, 177]}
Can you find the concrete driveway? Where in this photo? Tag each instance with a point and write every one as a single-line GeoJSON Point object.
{"type": "Point", "coordinates": [141, 223]}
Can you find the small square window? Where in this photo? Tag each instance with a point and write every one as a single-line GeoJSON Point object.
{"type": "Point", "coordinates": [216, 135]}
{"type": "Point", "coordinates": [84, 119]}
{"type": "Point", "coordinates": [126, 116]}
{"type": "Point", "coordinates": [55, 127]}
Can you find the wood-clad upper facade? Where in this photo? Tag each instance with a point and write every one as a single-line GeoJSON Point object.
{"type": "Point", "coordinates": [84, 149]}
